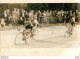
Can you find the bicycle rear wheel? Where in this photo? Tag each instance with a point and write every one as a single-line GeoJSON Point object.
{"type": "Point", "coordinates": [36, 32]}
{"type": "Point", "coordinates": [66, 34]}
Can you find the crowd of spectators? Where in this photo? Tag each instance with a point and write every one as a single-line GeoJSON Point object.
{"type": "Point", "coordinates": [19, 16]}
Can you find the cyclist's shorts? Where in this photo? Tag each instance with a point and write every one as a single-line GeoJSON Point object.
{"type": "Point", "coordinates": [28, 27]}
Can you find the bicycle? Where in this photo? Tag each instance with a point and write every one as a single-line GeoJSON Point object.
{"type": "Point", "coordinates": [68, 33]}
{"type": "Point", "coordinates": [20, 37]}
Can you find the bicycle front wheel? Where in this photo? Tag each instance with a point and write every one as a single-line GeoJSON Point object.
{"type": "Point", "coordinates": [18, 38]}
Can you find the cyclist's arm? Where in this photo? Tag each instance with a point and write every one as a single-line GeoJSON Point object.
{"type": "Point", "coordinates": [30, 23]}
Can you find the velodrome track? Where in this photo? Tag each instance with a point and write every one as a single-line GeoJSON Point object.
{"type": "Point", "coordinates": [48, 41]}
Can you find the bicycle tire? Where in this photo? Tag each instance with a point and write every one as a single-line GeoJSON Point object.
{"type": "Point", "coordinates": [18, 37]}
{"type": "Point", "coordinates": [67, 34]}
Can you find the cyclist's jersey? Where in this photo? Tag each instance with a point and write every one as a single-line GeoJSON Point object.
{"type": "Point", "coordinates": [28, 27]}
{"type": "Point", "coordinates": [72, 21]}
{"type": "Point", "coordinates": [31, 24]}
{"type": "Point", "coordinates": [35, 22]}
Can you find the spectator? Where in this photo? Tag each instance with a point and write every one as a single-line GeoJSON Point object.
{"type": "Point", "coordinates": [64, 17]}
{"type": "Point", "coordinates": [59, 17]}
{"type": "Point", "coordinates": [77, 15]}
{"type": "Point", "coordinates": [38, 16]}
{"type": "Point", "coordinates": [2, 22]}
{"type": "Point", "coordinates": [51, 16]}
{"type": "Point", "coordinates": [67, 16]}
{"type": "Point", "coordinates": [26, 15]}
{"type": "Point", "coordinates": [20, 21]}
{"type": "Point", "coordinates": [44, 17]}
{"type": "Point", "coordinates": [48, 16]}
{"type": "Point", "coordinates": [18, 14]}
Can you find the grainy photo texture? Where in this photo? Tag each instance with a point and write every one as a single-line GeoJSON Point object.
{"type": "Point", "coordinates": [40, 25]}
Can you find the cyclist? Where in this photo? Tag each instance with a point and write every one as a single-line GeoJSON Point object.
{"type": "Point", "coordinates": [73, 20]}
{"type": "Point", "coordinates": [70, 25]}
{"type": "Point", "coordinates": [30, 26]}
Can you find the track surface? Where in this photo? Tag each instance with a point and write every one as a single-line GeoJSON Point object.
{"type": "Point", "coordinates": [49, 39]}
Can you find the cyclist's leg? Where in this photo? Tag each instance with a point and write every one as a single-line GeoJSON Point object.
{"type": "Point", "coordinates": [31, 33]}
{"type": "Point", "coordinates": [71, 30]}
{"type": "Point", "coordinates": [72, 27]}
{"type": "Point", "coordinates": [34, 29]}
{"type": "Point", "coordinates": [24, 34]}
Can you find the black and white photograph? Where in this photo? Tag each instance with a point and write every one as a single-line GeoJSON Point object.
{"type": "Point", "coordinates": [40, 25]}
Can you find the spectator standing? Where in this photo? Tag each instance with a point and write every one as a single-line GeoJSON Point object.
{"type": "Point", "coordinates": [67, 17]}
{"type": "Point", "coordinates": [64, 17]}
{"type": "Point", "coordinates": [77, 15]}
{"type": "Point", "coordinates": [26, 15]}
{"type": "Point", "coordinates": [38, 15]}
{"type": "Point", "coordinates": [44, 17]}
{"type": "Point", "coordinates": [2, 22]}
{"type": "Point", "coordinates": [48, 16]}
{"type": "Point", "coordinates": [51, 16]}
{"type": "Point", "coordinates": [18, 14]}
